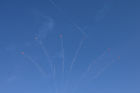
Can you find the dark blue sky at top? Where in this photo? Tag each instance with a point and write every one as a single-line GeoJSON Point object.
{"type": "Point", "coordinates": [107, 26]}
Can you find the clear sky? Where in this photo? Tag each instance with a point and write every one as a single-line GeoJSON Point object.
{"type": "Point", "coordinates": [69, 46]}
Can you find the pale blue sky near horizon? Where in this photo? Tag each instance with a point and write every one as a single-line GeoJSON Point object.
{"type": "Point", "coordinates": [110, 32]}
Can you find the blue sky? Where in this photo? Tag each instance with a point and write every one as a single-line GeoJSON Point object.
{"type": "Point", "coordinates": [69, 46]}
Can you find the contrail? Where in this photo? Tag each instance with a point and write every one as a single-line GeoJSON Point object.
{"type": "Point", "coordinates": [54, 78]}
{"type": "Point", "coordinates": [53, 68]}
{"type": "Point", "coordinates": [55, 5]}
{"type": "Point", "coordinates": [84, 74]}
{"type": "Point", "coordinates": [61, 11]}
{"type": "Point", "coordinates": [103, 69]}
{"type": "Point", "coordinates": [63, 56]}
{"type": "Point", "coordinates": [99, 57]}
{"type": "Point", "coordinates": [80, 29]}
{"type": "Point", "coordinates": [45, 52]}
{"type": "Point", "coordinates": [76, 54]}
{"type": "Point", "coordinates": [94, 62]}
{"type": "Point", "coordinates": [41, 70]}
{"type": "Point", "coordinates": [96, 75]}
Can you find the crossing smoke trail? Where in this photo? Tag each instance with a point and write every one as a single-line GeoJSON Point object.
{"type": "Point", "coordinates": [78, 28]}
{"type": "Point", "coordinates": [46, 27]}
{"type": "Point", "coordinates": [90, 66]}
{"type": "Point", "coordinates": [53, 72]}
{"type": "Point", "coordinates": [93, 75]}
{"type": "Point", "coordinates": [45, 52]}
{"type": "Point", "coordinates": [94, 62]}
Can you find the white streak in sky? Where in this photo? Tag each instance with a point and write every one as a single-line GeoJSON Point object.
{"type": "Point", "coordinates": [40, 69]}
{"type": "Point", "coordinates": [46, 54]}
{"type": "Point", "coordinates": [62, 12]}
{"type": "Point", "coordinates": [102, 12]}
{"type": "Point", "coordinates": [46, 27]}
{"type": "Point", "coordinates": [63, 55]}
{"type": "Point", "coordinates": [76, 54]}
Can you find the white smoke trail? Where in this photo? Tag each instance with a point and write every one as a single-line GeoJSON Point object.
{"type": "Point", "coordinates": [40, 69]}
{"type": "Point", "coordinates": [90, 66]}
{"type": "Point", "coordinates": [46, 53]}
{"type": "Point", "coordinates": [76, 54]}
{"type": "Point", "coordinates": [62, 12]}
{"type": "Point", "coordinates": [63, 54]}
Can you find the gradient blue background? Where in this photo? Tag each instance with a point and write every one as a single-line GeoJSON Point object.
{"type": "Point", "coordinates": [106, 24]}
